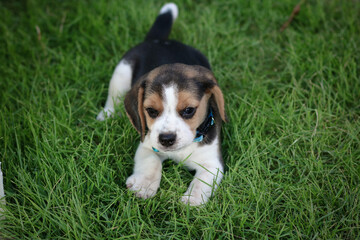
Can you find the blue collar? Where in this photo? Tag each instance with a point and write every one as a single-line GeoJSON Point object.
{"type": "Point", "coordinates": [202, 130]}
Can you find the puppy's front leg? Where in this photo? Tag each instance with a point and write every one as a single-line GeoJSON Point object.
{"type": "Point", "coordinates": [205, 182]}
{"type": "Point", "coordinates": [146, 177]}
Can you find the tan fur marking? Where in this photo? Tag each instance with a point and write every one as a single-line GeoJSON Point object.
{"type": "Point", "coordinates": [187, 99]}
{"type": "Point", "coordinates": [141, 112]}
{"type": "Point", "coordinates": [209, 75]}
{"type": "Point", "coordinates": [190, 73]}
{"type": "Point", "coordinates": [219, 99]}
{"type": "Point", "coordinates": [152, 101]}
{"type": "Point", "coordinates": [153, 74]}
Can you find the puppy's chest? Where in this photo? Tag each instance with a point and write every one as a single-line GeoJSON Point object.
{"type": "Point", "coordinates": [181, 155]}
{"type": "Point", "coordinates": [194, 155]}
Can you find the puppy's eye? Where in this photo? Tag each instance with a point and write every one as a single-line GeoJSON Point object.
{"type": "Point", "coordinates": [187, 112]}
{"type": "Point", "coordinates": [152, 112]}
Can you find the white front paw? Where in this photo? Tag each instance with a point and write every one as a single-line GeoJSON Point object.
{"type": "Point", "coordinates": [194, 200]}
{"type": "Point", "coordinates": [106, 112]}
{"type": "Point", "coordinates": [142, 186]}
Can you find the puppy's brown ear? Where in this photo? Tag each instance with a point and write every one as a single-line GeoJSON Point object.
{"type": "Point", "coordinates": [133, 102]}
{"type": "Point", "coordinates": [211, 86]}
{"type": "Point", "coordinates": [219, 99]}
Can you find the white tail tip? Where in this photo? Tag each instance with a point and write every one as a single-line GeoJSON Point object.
{"type": "Point", "coordinates": [172, 8]}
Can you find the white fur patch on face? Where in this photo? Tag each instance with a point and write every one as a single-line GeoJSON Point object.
{"type": "Point", "coordinates": [170, 122]}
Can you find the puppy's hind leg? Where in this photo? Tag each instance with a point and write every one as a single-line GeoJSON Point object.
{"type": "Point", "coordinates": [120, 83]}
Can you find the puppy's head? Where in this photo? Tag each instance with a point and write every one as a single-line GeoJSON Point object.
{"type": "Point", "coordinates": [170, 103]}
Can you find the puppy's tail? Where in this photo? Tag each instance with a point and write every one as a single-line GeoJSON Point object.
{"type": "Point", "coordinates": [161, 28]}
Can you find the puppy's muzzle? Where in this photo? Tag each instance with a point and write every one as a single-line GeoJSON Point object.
{"type": "Point", "coordinates": [167, 139]}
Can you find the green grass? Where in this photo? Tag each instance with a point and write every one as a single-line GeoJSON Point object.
{"type": "Point", "coordinates": [291, 147]}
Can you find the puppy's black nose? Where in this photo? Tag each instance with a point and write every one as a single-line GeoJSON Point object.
{"type": "Point", "coordinates": [167, 139]}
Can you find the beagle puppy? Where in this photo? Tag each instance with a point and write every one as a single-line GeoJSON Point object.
{"type": "Point", "coordinates": [174, 102]}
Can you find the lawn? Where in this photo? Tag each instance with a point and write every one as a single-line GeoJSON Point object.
{"type": "Point", "coordinates": [291, 147]}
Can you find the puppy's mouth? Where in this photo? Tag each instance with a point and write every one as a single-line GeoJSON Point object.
{"type": "Point", "coordinates": [174, 148]}
{"type": "Point", "coordinates": [166, 150]}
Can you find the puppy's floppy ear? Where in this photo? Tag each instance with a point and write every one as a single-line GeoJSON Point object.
{"type": "Point", "coordinates": [211, 86]}
{"type": "Point", "coordinates": [133, 102]}
{"type": "Point", "coordinates": [219, 99]}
